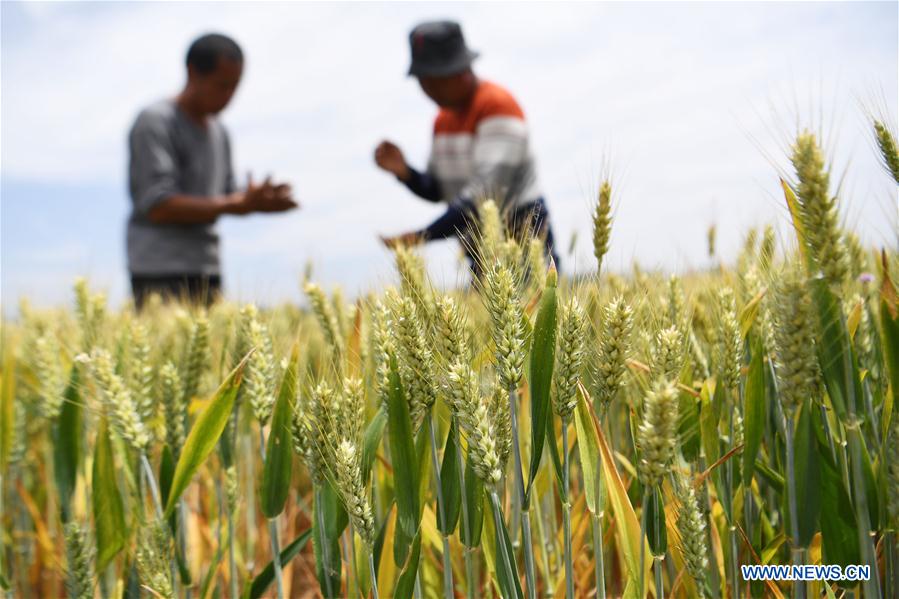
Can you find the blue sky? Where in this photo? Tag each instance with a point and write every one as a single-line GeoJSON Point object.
{"type": "Point", "coordinates": [691, 105]}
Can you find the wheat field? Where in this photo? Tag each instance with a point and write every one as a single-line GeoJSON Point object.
{"type": "Point", "coordinates": [615, 435]}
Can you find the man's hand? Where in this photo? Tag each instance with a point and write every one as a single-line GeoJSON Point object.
{"type": "Point", "coordinates": [264, 197]}
{"type": "Point", "coordinates": [390, 158]}
{"type": "Point", "coordinates": [193, 210]}
{"type": "Point", "coordinates": [404, 240]}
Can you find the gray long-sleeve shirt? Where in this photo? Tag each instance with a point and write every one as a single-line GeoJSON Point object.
{"type": "Point", "coordinates": [169, 154]}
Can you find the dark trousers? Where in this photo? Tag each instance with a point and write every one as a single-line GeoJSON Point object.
{"type": "Point", "coordinates": [194, 289]}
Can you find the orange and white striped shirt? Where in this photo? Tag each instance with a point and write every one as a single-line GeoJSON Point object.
{"type": "Point", "coordinates": [484, 151]}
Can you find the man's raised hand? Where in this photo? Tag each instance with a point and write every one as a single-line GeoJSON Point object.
{"type": "Point", "coordinates": [389, 157]}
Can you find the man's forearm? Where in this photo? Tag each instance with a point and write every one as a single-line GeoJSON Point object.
{"type": "Point", "coordinates": [457, 218]}
{"type": "Point", "coordinates": [193, 210]}
{"type": "Point", "coordinates": [422, 184]}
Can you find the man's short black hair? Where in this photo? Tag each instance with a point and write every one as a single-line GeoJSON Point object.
{"type": "Point", "coordinates": [204, 53]}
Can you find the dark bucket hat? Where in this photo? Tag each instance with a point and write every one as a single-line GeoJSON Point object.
{"type": "Point", "coordinates": [439, 50]}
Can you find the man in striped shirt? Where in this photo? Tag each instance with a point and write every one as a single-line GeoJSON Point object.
{"type": "Point", "coordinates": [480, 150]}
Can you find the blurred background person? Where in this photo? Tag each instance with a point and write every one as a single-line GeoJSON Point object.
{"type": "Point", "coordinates": [181, 180]}
{"type": "Point", "coordinates": [480, 149]}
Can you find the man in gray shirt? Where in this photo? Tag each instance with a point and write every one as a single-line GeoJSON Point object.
{"type": "Point", "coordinates": [181, 180]}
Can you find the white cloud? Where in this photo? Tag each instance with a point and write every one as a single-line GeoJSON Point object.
{"type": "Point", "coordinates": [676, 94]}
